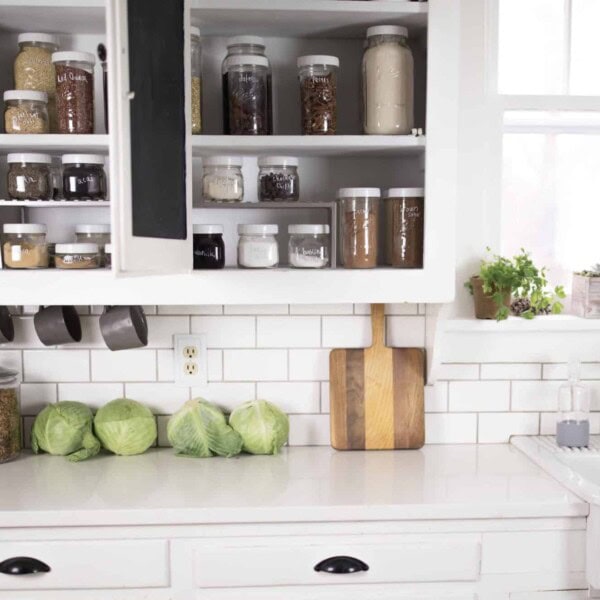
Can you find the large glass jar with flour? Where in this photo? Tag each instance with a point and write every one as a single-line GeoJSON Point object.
{"type": "Point", "coordinates": [388, 81]}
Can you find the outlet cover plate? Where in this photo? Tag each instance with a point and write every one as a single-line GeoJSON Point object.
{"type": "Point", "coordinates": [182, 362]}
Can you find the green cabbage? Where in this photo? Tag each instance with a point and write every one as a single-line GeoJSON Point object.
{"type": "Point", "coordinates": [264, 427]}
{"type": "Point", "coordinates": [65, 429]}
{"type": "Point", "coordinates": [200, 429]}
{"type": "Point", "coordinates": [125, 427]}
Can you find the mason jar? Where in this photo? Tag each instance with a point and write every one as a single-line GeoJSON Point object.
{"type": "Point", "coordinates": [196, 50]}
{"type": "Point", "coordinates": [28, 176]}
{"type": "Point", "coordinates": [94, 233]}
{"type": "Point", "coordinates": [26, 111]}
{"type": "Point", "coordinates": [278, 179]}
{"type": "Point", "coordinates": [257, 246]}
{"type": "Point", "coordinates": [24, 246]}
{"type": "Point", "coordinates": [10, 415]}
{"type": "Point", "coordinates": [308, 247]}
{"type": "Point", "coordinates": [84, 177]}
{"type": "Point", "coordinates": [222, 179]}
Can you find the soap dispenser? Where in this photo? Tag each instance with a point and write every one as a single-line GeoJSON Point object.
{"type": "Point", "coordinates": [573, 425]}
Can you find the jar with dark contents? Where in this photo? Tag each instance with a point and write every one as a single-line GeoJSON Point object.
{"type": "Point", "coordinates": [318, 93]}
{"type": "Point", "coordinates": [84, 177]}
{"type": "Point", "coordinates": [74, 91]}
{"type": "Point", "coordinates": [247, 103]}
{"type": "Point", "coordinates": [10, 415]}
{"type": "Point", "coordinates": [28, 176]}
{"type": "Point", "coordinates": [209, 248]}
{"type": "Point", "coordinates": [278, 179]}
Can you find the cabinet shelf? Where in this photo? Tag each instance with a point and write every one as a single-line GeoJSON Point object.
{"type": "Point", "coordinates": [54, 203]}
{"type": "Point", "coordinates": [53, 142]}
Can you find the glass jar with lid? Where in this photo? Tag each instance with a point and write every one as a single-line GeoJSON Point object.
{"type": "Point", "coordinates": [388, 81]}
{"type": "Point", "coordinates": [309, 246]}
{"type": "Point", "coordinates": [209, 248]}
{"type": "Point", "coordinates": [196, 50]}
{"type": "Point", "coordinates": [246, 44]}
{"type": "Point", "coordinates": [24, 246]}
{"type": "Point", "coordinates": [247, 103]}
{"type": "Point", "coordinates": [359, 222]}
{"type": "Point", "coordinates": [28, 176]}
{"type": "Point", "coordinates": [74, 91]}
{"type": "Point", "coordinates": [84, 177]}
{"type": "Point", "coordinates": [318, 93]}
{"type": "Point", "coordinates": [94, 233]}
{"type": "Point", "coordinates": [77, 256]}
{"type": "Point", "coordinates": [108, 252]}
{"type": "Point", "coordinates": [257, 246]}
{"type": "Point", "coordinates": [26, 111]}
{"type": "Point", "coordinates": [10, 415]}
{"type": "Point", "coordinates": [222, 179]}
{"type": "Point", "coordinates": [278, 179]}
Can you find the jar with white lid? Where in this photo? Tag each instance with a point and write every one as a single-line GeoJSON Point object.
{"type": "Point", "coordinates": [77, 256]}
{"type": "Point", "coordinates": [28, 176]}
{"type": "Point", "coordinates": [26, 111]}
{"type": "Point", "coordinates": [74, 91]}
{"type": "Point", "coordinates": [209, 248]}
{"type": "Point", "coordinates": [388, 81]}
{"type": "Point", "coordinates": [222, 179]}
{"type": "Point", "coordinates": [94, 233]}
{"type": "Point", "coordinates": [257, 246]}
{"type": "Point", "coordinates": [108, 252]}
{"type": "Point", "coordinates": [24, 246]}
{"type": "Point", "coordinates": [278, 179]}
{"type": "Point", "coordinates": [196, 51]}
{"type": "Point", "coordinates": [10, 415]}
{"type": "Point", "coordinates": [253, 45]}
{"type": "Point", "coordinates": [318, 93]}
{"type": "Point", "coordinates": [84, 177]}
{"type": "Point", "coordinates": [308, 247]}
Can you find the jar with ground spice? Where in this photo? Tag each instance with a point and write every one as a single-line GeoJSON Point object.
{"type": "Point", "coordinates": [84, 177]}
{"type": "Point", "coordinates": [308, 246]}
{"type": "Point", "coordinates": [359, 222]}
{"type": "Point", "coordinates": [404, 227]}
{"type": "Point", "coordinates": [222, 179]}
{"type": "Point", "coordinates": [28, 176]}
{"type": "Point", "coordinates": [24, 246]}
{"type": "Point", "coordinates": [33, 68]}
{"type": "Point", "coordinates": [278, 179]}
{"type": "Point", "coordinates": [74, 91]}
{"type": "Point", "coordinates": [26, 111]}
{"type": "Point", "coordinates": [248, 103]}
{"type": "Point", "coordinates": [196, 49]}
{"type": "Point", "coordinates": [318, 93]}
{"type": "Point", "coordinates": [10, 415]}
{"type": "Point", "coordinates": [94, 233]}
{"type": "Point", "coordinates": [257, 246]}
{"type": "Point", "coordinates": [77, 256]}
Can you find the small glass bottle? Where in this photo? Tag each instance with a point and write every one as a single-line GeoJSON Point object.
{"type": "Point", "coordinates": [10, 415]}
{"type": "Point", "coordinates": [573, 425]}
{"type": "Point", "coordinates": [196, 49]}
{"type": "Point", "coordinates": [26, 111]}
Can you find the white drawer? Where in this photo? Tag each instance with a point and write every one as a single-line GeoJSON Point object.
{"type": "Point", "coordinates": [90, 565]}
{"type": "Point", "coordinates": [291, 561]}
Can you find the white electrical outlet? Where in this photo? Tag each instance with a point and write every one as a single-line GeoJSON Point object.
{"type": "Point", "coordinates": [190, 361]}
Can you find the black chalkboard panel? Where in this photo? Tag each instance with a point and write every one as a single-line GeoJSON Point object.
{"type": "Point", "coordinates": [156, 74]}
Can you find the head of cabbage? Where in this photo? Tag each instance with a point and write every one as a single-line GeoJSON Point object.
{"type": "Point", "coordinates": [125, 427]}
{"type": "Point", "coordinates": [200, 429]}
{"type": "Point", "coordinates": [264, 427]}
{"type": "Point", "coordinates": [65, 429]}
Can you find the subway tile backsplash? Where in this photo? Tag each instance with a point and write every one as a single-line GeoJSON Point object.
{"type": "Point", "coordinates": [281, 353]}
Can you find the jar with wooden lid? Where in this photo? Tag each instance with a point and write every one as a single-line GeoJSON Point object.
{"type": "Point", "coordinates": [29, 176]}
{"type": "Point", "coordinates": [24, 246]}
{"type": "Point", "coordinates": [359, 223]}
{"type": "Point", "coordinates": [10, 415]}
{"type": "Point", "coordinates": [26, 111]}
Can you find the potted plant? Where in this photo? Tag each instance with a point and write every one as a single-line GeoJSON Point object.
{"type": "Point", "coordinates": [515, 286]}
{"type": "Point", "coordinates": [585, 301]}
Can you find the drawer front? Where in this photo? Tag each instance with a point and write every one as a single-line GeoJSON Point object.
{"type": "Point", "coordinates": [292, 562]}
{"type": "Point", "coordinates": [90, 565]}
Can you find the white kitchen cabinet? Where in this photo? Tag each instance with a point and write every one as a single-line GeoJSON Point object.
{"type": "Point", "coordinates": [152, 269]}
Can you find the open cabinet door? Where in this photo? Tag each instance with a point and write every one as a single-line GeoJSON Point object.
{"type": "Point", "coordinates": [150, 143]}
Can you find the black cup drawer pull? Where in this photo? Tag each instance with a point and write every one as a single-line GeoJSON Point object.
{"type": "Point", "coordinates": [341, 565]}
{"type": "Point", "coordinates": [23, 565]}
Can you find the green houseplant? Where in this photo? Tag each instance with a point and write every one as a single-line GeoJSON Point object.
{"type": "Point", "coordinates": [513, 285]}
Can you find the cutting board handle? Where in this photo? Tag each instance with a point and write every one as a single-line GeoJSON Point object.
{"type": "Point", "coordinates": [378, 325]}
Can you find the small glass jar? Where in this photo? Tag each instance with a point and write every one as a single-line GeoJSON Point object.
{"type": "Point", "coordinates": [196, 49]}
{"type": "Point", "coordinates": [257, 246]}
{"type": "Point", "coordinates": [26, 111]}
{"type": "Point", "coordinates": [318, 93]}
{"type": "Point", "coordinates": [84, 177]}
{"type": "Point", "coordinates": [94, 233]}
{"type": "Point", "coordinates": [77, 256]}
{"type": "Point", "coordinates": [404, 210]}
{"type": "Point", "coordinates": [222, 179]}
{"type": "Point", "coordinates": [74, 91]}
{"type": "Point", "coordinates": [24, 246]}
{"type": "Point", "coordinates": [247, 102]}
{"type": "Point", "coordinates": [388, 81]}
{"type": "Point", "coordinates": [253, 45]}
{"type": "Point", "coordinates": [309, 246]}
{"type": "Point", "coordinates": [108, 251]}
{"type": "Point", "coordinates": [359, 222]}
{"type": "Point", "coordinates": [209, 248]}
{"type": "Point", "coordinates": [278, 179]}
{"type": "Point", "coordinates": [10, 415]}
{"type": "Point", "coordinates": [28, 176]}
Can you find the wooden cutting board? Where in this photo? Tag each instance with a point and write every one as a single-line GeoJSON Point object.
{"type": "Point", "coordinates": [376, 394]}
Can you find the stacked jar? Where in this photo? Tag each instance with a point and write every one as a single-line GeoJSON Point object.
{"type": "Point", "coordinates": [278, 179]}
{"type": "Point", "coordinates": [222, 179]}
{"type": "Point", "coordinates": [196, 50]}
{"type": "Point", "coordinates": [318, 93]}
{"type": "Point", "coordinates": [98, 234]}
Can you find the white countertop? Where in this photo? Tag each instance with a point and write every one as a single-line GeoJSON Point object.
{"type": "Point", "coordinates": [301, 484]}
